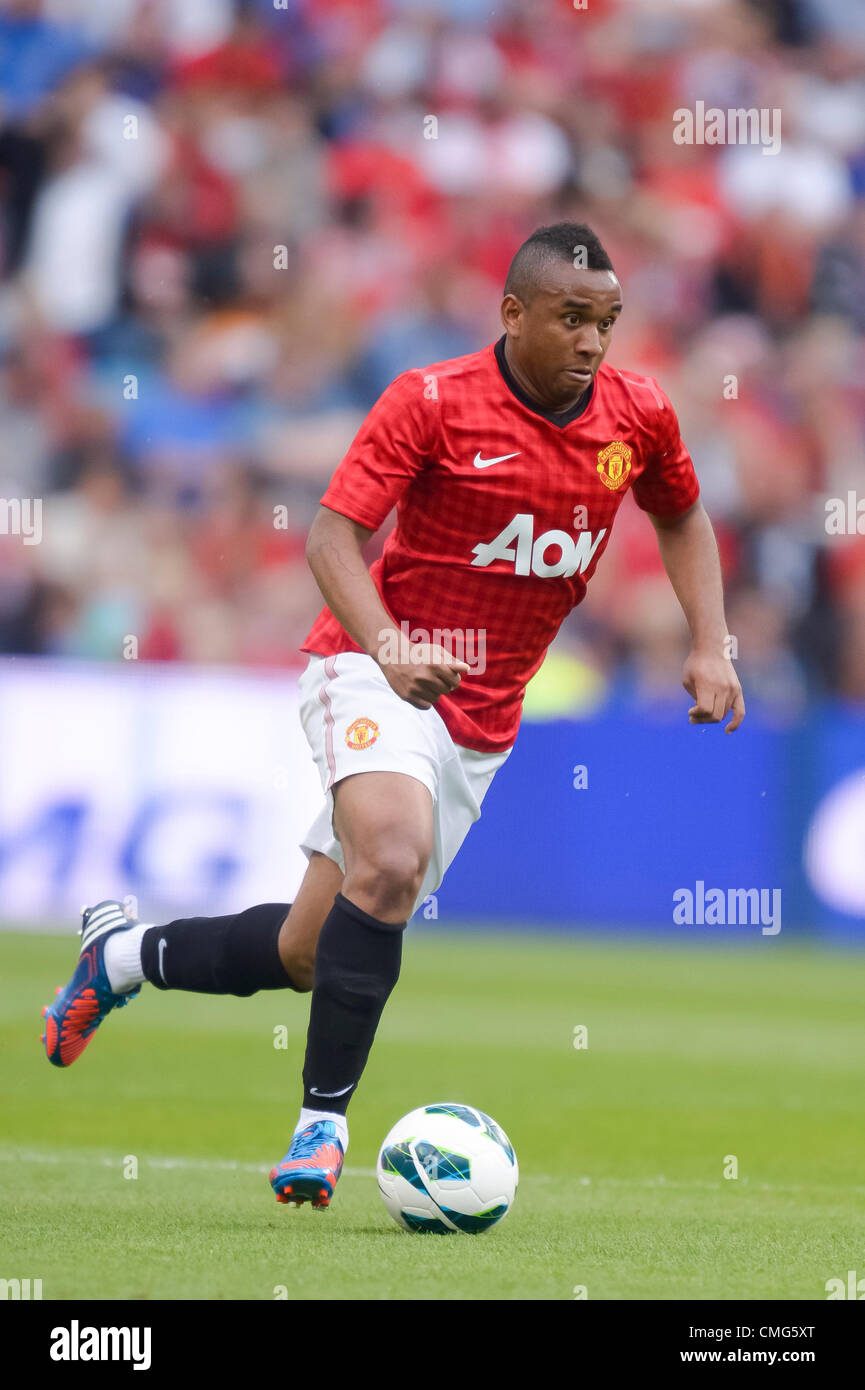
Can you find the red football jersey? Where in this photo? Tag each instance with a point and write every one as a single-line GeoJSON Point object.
{"type": "Point", "coordinates": [503, 512]}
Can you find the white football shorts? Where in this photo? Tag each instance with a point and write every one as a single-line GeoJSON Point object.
{"type": "Point", "coordinates": [354, 722]}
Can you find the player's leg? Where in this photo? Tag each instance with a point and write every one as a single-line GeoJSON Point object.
{"type": "Point", "coordinates": [384, 822]}
{"type": "Point", "coordinates": [270, 946]}
{"type": "Point", "coordinates": [298, 937]}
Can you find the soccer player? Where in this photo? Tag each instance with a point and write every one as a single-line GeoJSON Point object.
{"type": "Point", "coordinates": [507, 468]}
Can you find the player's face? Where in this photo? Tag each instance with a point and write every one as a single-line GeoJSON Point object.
{"type": "Point", "coordinates": [557, 341]}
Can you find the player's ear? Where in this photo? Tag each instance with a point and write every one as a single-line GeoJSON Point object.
{"type": "Point", "coordinates": [512, 314]}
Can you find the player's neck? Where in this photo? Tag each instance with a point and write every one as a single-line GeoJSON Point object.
{"type": "Point", "coordinates": [526, 384]}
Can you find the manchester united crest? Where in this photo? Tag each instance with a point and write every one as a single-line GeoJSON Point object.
{"type": "Point", "coordinates": [614, 464]}
{"type": "Point", "coordinates": [362, 733]}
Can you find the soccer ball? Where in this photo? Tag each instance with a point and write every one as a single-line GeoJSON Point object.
{"type": "Point", "coordinates": [447, 1168]}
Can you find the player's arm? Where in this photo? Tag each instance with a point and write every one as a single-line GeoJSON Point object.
{"type": "Point", "coordinates": [398, 439]}
{"type": "Point", "coordinates": [689, 553]}
{"type": "Point", "coordinates": [334, 550]}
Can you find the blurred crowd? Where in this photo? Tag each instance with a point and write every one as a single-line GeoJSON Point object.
{"type": "Point", "coordinates": [226, 225]}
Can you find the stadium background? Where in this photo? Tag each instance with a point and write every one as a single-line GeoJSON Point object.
{"type": "Point", "coordinates": [223, 232]}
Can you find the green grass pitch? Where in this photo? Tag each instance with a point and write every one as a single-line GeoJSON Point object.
{"type": "Point", "coordinates": [693, 1055]}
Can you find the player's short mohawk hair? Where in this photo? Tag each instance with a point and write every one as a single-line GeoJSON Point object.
{"type": "Point", "coordinates": [563, 241]}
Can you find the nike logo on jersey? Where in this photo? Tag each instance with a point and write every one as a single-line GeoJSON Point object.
{"type": "Point", "coordinates": [529, 555]}
{"type": "Point", "coordinates": [162, 945]}
{"type": "Point", "coordinates": [488, 463]}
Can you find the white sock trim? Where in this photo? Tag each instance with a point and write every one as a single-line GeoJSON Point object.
{"type": "Point", "coordinates": [310, 1117]}
{"type": "Point", "coordinates": [123, 958]}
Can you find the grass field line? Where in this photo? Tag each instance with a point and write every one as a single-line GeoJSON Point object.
{"type": "Point", "coordinates": [228, 1165]}
{"type": "Point", "coordinates": [103, 1160]}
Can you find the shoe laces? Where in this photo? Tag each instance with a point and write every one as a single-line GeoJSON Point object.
{"type": "Point", "coordinates": [305, 1144]}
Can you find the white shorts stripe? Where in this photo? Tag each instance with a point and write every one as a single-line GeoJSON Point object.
{"type": "Point", "coordinates": [324, 696]}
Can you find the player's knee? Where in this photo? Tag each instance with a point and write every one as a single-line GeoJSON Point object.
{"type": "Point", "coordinates": [301, 972]}
{"type": "Point", "coordinates": [297, 956]}
{"type": "Point", "coordinates": [388, 877]}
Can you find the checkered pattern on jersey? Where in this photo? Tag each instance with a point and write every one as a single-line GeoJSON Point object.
{"type": "Point", "coordinates": [427, 446]}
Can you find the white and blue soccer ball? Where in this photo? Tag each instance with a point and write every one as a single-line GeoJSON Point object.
{"type": "Point", "coordinates": [447, 1167]}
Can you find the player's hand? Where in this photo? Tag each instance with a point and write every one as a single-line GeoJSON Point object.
{"type": "Point", "coordinates": [710, 678]}
{"type": "Point", "coordinates": [430, 672]}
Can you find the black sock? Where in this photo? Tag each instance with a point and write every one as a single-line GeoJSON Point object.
{"type": "Point", "coordinates": [356, 966]}
{"type": "Point", "coordinates": [218, 955]}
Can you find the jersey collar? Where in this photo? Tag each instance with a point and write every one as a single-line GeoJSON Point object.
{"type": "Point", "coordinates": [561, 418]}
